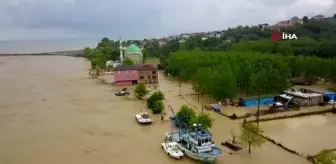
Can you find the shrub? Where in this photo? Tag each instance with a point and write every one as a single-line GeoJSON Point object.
{"type": "Point", "coordinates": [158, 107]}
{"type": "Point", "coordinates": [140, 90]}
{"type": "Point", "coordinates": [157, 96]}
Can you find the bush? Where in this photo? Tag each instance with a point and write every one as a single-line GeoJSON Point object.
{"type": "Point", "coordinates": [158, 107]}
{"type": "Point", "coordinates": [186, 115]}
{"type": "Point", "coordinates": [204, 119]}
{"type": "Point", "coordinates": [189, 116]}
{"type": "Point", "coordinates": [141, 90]}
{"type": "Point", "coordinates": [154, 100]}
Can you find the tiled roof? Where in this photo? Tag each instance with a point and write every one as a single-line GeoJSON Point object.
{"type": "Point", "coordinates": [146, 67]}
{"type": "Point", "coordinates": [125, 68]}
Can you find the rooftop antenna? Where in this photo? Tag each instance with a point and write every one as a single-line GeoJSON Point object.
{"type": "Point", "coordinates": [121, 50]}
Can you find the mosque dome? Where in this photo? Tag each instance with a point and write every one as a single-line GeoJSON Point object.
{"type": "Point", "coordinates": [133, 49]}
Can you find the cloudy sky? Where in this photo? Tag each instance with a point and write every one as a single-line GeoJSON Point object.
{"type": "Point", "coordinates": [138, 19]}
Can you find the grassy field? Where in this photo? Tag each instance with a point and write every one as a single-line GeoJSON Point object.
{"type": "Point", "coordinates": [152, 60]}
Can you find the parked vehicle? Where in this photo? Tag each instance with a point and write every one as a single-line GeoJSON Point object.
{"type": "Point", "coordinates": [170, 147]}
{"type": "Point", "coordinates": [123, 92]}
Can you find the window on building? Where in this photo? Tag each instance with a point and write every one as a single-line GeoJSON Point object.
{"type": "Point", "coordinates": [148, 77]}
{"type": "Point", "coordinates": [154, 77]}
{"type": "Point", "coordinates": [154, 72]}
{"type": "Point", "coordinates": [141, 77]}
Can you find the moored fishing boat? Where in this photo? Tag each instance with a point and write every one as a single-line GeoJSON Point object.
{"type": "Point", "coordinates": [196, 144]}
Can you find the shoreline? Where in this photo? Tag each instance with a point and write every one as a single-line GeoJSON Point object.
{"type": "Point", "coordinates": [78, 53]}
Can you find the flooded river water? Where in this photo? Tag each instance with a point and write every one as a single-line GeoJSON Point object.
{"type": "Point", "coordinates": [53, 112]}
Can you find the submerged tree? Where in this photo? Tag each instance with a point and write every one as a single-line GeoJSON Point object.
{"type": "Point", "coordinates": [186, 115]}
{"type": "Point", "coordinates": [204, 120]}
{"type": "Point", "coordinates": [128, 61]}
{"type": "Point", "coordinates": [154, 102]}
{"type": "Point", "coordinates": [326, 157]}
{"type": "Point", "coordinates": [140, 90]}
{"type": "Point", "coordinates": [250, 136]}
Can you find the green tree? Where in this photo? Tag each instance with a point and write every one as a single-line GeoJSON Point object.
{"type": "Point", "coordinates": [283, 48]}
{"type": "Point", "coordinates": [186, 115]}
{"type": "Point", "coordinates": [156, 96]}
{"type": "Point", "coordinates": [140, 90]}
{"type": "Point", "coordinates": [144, 55]}
{"type": "Point", "coordinates": [257, 87]}
{"type": "Point", "coordinates": [87, 52]}
{"type": "Point", "coordinates": [222, 83]}
{"type": "Point", "coordinates": [250, 136]}
{"type": "Point", "coordinates": [158, 107]}
{"type": "Point", "coordinates": [128, 61]}
{"type": "Point", "coordinates": [199, 80]}
{"type": "Point", "coordinates": [204, 119]}
{"type": "Point", "coordinates": [326, 157]}
{"type": "Point", "coordinates": [305, 19]}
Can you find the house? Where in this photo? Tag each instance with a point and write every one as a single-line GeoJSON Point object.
{"type": "Point", "coordinates": [147, 73]}
{"type": "Point", "coordinates": [125, 75]}
{"type": "Point", "coordinates": [319, 17]}
{"type": "Point", "coordinates": [288, 23]}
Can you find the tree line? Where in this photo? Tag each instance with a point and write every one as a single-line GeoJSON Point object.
{"type": "Point", "coordinates": [225, 75]}
{"type": "Point", "coordinates": [315, 38]}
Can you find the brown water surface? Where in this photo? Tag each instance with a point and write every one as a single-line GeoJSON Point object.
{"type": "Point", "coordinates": [52, 112]}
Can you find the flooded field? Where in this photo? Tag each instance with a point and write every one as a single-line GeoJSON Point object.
{"type": "Point", "coordinates": [53, 112]}
{"type": "Point", "coordinates": [307, 135]}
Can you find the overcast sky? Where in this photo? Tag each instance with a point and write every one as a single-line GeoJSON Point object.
{"type": "Point", "coordinates": [138, 19]}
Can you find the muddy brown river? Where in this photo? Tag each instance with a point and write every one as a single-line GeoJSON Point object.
{"type": "Point", "coordinates": [53, 112]}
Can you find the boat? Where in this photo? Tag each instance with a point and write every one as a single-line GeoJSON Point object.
{"type": "Point", "coordinates": [171, 148]}
{"type": "Point", "coordinates": [143, 118]}
{"type": "Point", "coordinates": [195, 143]}
{"type": "Point", "coordinates": [231, 145]}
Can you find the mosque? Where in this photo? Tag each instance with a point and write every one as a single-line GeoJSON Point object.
{"type": "Point", "coordinates": [134, 53]}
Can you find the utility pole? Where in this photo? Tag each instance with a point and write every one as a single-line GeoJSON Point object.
{"type": "Point", "coordinates": [258, 111]}
{"type": "Point", "coordinates": [180, 88]}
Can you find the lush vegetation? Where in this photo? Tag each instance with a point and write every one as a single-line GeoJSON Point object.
{"type": "Point", "coordinates": [250, 137]}
{"type": "Point", "coordinates": [128, 61]}
{"type": "Point", "coordinates": [315, 38]}
{"type": "Point", "coordinates": [141, 91]}
{"type": "Point", "coordinates": [189, 116]}
{"type": "Point", "coordinates": [106, 50]}
{"type": "Point", "coordinates": [154, 102]}
{"type": "Point", "coordinates": [225, 75]}
{"type": "Point", "coordinates": [326, 157]}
